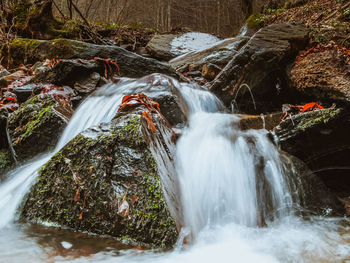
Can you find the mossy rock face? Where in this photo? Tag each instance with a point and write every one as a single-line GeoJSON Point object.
{"type": "Point", "coordinates": [35, 127]}
{"type": "Point", "coordinates": [29, 51]}
{"type": "Point", "coordinates": [105, 181]}
{"type": "Point", "coordinates": [321, 139]}
{"type": "Point", "coordinates": [6, 162]}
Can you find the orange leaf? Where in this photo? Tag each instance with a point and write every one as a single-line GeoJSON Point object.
{"type": "Point", "coordinates": [148, 118]}
{"type": "Point", "coordinates": [77, 196]}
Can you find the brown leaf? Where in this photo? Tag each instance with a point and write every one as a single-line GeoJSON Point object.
{"type": "Point", "coordinates": [148, 118]}
{"type": "Point", "coordinates": [77, 195]}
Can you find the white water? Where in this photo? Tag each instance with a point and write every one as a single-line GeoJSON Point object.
{"type": "Point", "coordinates": [231, 183]}
{"type": "Point", "coordinates": [94, 110]}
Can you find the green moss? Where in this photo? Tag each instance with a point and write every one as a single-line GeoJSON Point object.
{"type": "Point", "coordinates": [21, 12]}
{"type": "Point", "coordinates": [345, 16]}
{"type": "Point", "coordinates": [131, 131]}
{"type": "Point", "coordinates": [255, 21]}
{"type": "Point", "coordinates": [321, 117]}
{"type": "Point", "coordinates": [5, 160]}
{"type": "Point", "coordinates": [109, 167]}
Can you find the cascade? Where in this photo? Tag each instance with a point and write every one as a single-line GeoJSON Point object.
{"type": "Point", "coordinates": [237, 201]}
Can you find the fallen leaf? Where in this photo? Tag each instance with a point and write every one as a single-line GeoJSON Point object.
{"type": "Point", "coordinates": [148, 118]}
{"type": "Point", "coordinates": [77, 195]}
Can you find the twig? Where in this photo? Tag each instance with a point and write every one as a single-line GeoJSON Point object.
{"type": "Point", "coordinates": [59, 10]}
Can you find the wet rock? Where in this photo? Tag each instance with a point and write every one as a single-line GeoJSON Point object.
{"type": "Point", "coordinates": [69, 72]}
{"type": "Point", "coordinates": [105, 181]}
{"type": "Point", "coordinates": [219, 55]}
{"type": "Point", "coordinates": [35, 127]}
{"type": "Point", "coordinates": [323, 77]}
{"type": "Point", "coordinates": [320, 139]}
{"type": "Point", "coordinates": [313, 195]}
{"type": "Point", "coordinates": [6, 80]}
{"type": "Point", "coordinates": [29, 51]}
{"type": "Point", "coordinates": [210, 71]}
{"type": "Point", "coordinates": [3, 121]}
{"type": "Point", "coordinates": [24, 92]}
{"type": "Point", "coordinates": [6, 162]}
{"type": "Point", "coordinates": [162, 89]}
{"type": "Point", "coordinates": [3, 72]}
{"type": "Point", "coordinates": [160, 47]}
{"type": "Point", "coordinates": [268, 121]}
{"type": "Point", "coordinates": [262, 65]}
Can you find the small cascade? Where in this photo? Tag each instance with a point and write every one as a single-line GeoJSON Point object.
{"type": "Point", "coordinates": [230, 176]}
{"type": "Point", "coordinates": [101, 107]}
{"type": "Point", "coordinates": [230, 190]}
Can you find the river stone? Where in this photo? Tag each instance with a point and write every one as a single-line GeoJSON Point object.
{"type": "Point", "coordinates": [105, 181]}
{"type": "Point", "coordinates": [160, 47]}
{"type": "Point", "coordinates": [219, 55]}
{"type": "Point", "coordinates": [35, 127]}
{"type": "Point", "coordinates": [262, 64]}
{"type": "Point", "coordinates": [29, 51]}
{"type": "Point", "coordinates": [320, 139]}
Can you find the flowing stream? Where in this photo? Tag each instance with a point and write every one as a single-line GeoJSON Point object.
{"type": "Point", "coordinates": [238, 204]}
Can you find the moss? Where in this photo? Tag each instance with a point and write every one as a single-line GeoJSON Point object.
{"type": "Point", "coordinates": [21, 12]}
{"type": "Point", "coordinates": [345, 16]}
{"type": "Point", "coordinates": [317, 118]}
{"type": "Point", "coordinates": [255, 21]}
{"type": "Point", "coordinates": [36, 122]}
{"type": "Point", "coordinates": [108, 167]}
{"type": "Point", "coordinates": [5, 160]}
{"type": "Point", "coordinates": [131, 131]}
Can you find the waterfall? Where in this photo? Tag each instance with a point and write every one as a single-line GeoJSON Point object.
{"type": "Point", "coordinates": [237, 200]}
{"type": "Point", "coordinates": [98, 108]}
{"type": "Point", "coordinates": [228, 175]}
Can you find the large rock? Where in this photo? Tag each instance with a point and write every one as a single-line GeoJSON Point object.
{"type": "Point", "coordinates": [313, 195]}
{"type": "Point", "coordinates": [160, 47]}
{"type": "Point", "coordinates": [219, 55]}
{"type": "Point", "coordinates": [323, 76]}
{"type": "Point", "coordinates": [161, 88]}
{"type": "Point", "coordinates": [35, 127]}
{"type": "Point", "coordinates": [29, 51]}
{"type": "Point", "coordinates": [262, 65]}
{"type": "Point", "coordinates": [6, 162]}
{"type": "Point", "coordinates": [105, 181]}
{"type": "Point", "coordinates": [320, 139]}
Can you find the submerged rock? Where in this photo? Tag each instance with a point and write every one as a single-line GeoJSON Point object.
{"type": "Point", "coordinates": [320, 139]}
{"type": "Point", "coordinates": [262, 66]}
{"type": "Point", "coordinates": [105, 181]}
{"type": "Point", "coordinates": [29, 51]}
{"type": "Point", "coordinates": [35, 127]}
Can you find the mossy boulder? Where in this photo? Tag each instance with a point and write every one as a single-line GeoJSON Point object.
{"type": "Point", "coordinates": [35, 127]}
{"type": "Point", "coordinates": [105, 181]}
{"type": "Point", "coordinates": [29, 51]}
{"type": "Point", "coordinates": [320, 139]}
{"type": "Point", "coordinates": [6, 162]}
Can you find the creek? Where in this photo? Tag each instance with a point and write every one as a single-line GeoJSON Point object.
{"type": "Point", "coordinates": [239, 202]}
